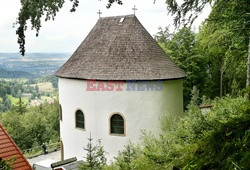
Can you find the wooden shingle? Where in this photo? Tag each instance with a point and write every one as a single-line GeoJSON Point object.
{"type": "Point", "coordinates": [120, 48]}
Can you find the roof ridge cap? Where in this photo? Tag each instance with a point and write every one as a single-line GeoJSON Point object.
{"type": "Point", "coordinates": [119, 16]}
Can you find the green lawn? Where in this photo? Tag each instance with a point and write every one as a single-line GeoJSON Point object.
{"type": "Point", "coordinates": [14, 100]}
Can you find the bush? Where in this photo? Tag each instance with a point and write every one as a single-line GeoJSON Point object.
{"type": "Point", "coordinates": [6, 165]}
{"type": "Point", "coordinates": [125, 158]}
{"type": "Point", "coordinates": [35, 125]}
{"type": "Point", "coordinates": [219, 139]}
{"type": "Point", "coordinates": [95, 156]}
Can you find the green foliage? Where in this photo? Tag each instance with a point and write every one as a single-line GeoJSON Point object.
{"type": "Point", "coordinates": [34, 10]}
{"type": "Point", "coordinates": [33, 127]}
{"type": "Point", "coordinates": [226, 53]}
{"type": "Point", "coordinates": [7, 88]}
{"type": "Point", "coordinates": [215, 58]}
{"type": "Point", "coordinates": [181, 47]}
{"type": "Point", "coordinates": [50, 78]}
{"type": "Point", "coordinates": [15, 74]}
{"type": "Point", "coordinates": [219, 139]}
{"type": "Point", "coordinates": [225, 143]}
{"type": "Point", "coordinates": [233, 14]}
{"type": "Point", "coordinates": [124, 160]}
{"type": "Point", "coordinates": [11, 90]}
{"type": "Point", "coordinates": [20, 107]}
{"type": "Point", "coordinates": [5, 165]}
{"type": "Point", "coordinates": [163, 36]}
{"type": "Point", "coordinates": [195, 97]}
{"type": "Point", "coordinates": [95, 156]}
{"type": "Point", "coordinates": [223, 40]}
{"type": "Point", "coordinates": [186, 12]}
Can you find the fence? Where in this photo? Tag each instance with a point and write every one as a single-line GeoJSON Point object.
{"type": "Point", "coordinates": [36, 151]}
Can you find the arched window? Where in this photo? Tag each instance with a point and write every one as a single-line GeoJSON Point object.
{"type": "Point", "coordinates": [80, 119]}
{"type": "Point", "coordinates": [117, 124]}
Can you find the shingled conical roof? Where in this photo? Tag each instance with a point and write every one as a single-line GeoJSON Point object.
{"type": "Point", "coordinates": [120, 48]}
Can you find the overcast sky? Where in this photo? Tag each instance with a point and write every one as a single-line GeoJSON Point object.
{"type": "Point", "coordinates": [69, 29]}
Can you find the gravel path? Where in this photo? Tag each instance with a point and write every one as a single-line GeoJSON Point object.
{"type": "Point", "coordinates": [52, 156]}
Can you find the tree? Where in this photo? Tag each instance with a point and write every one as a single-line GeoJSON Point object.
{"type": "Point", "coordinates": [181, 47]}
{"type": "Point", "coordinates": [20, 107]}
{"type": "Point", "coordinates": [43, 129]}
{"type": "Point", "coordinates": [95, 156]}
{"type": "Point", "coordinates": [125, 157]}
{"type": "Point", "coordinates": [232, 16]}
{"type": "Point", "coordinates": [163, 36]}
{"type": "Point", "coordinates": [223, 39]}
{"type": "Point", "coordinates": [3, 92]}
{"type": "Point", "coordinates": [7, 104]}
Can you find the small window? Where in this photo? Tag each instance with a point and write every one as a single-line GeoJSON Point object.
{"type": "Point", "coordinates": [80, 119]}
{"type": "Point", "coordinates": [60, 112]}
{"type": "Point", "coordinates": [117, 124]}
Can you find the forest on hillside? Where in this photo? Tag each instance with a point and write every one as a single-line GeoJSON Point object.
{"type": "Point", "coordinates": [215, 63]}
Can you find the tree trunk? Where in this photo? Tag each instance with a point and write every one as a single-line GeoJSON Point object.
{"type": "Point", "coordinates": [248, 71]}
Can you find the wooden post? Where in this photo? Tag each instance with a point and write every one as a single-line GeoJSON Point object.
{"type": "Point", "coordinates": [62, 150]}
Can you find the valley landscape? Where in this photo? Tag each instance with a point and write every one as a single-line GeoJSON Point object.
{"type": "Point", "coordinates": [29, 99]}
{"type": "Point", "coordinates": [28, 77]}
{"type": "Point", "coordinates": [32, 65]}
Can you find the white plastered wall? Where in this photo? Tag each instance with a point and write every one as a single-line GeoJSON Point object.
{"type": "Point", "coordinates": [142, 110]}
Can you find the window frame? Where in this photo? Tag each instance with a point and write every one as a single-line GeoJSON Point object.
{"type": "Point", "coordinates": [60, 112]}
{"type": "Point", "coordinates": [84, 120]}
{"type": "Point", "coordinates": [124, 125]}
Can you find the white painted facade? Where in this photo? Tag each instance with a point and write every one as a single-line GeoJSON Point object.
{"type": "Point", "coordinates": [142, 110]}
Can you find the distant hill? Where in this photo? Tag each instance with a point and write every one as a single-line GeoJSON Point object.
{"type": "Point", "coordinates": [32, 65]}
{"type": "Point", "coordinates": [16, 74]}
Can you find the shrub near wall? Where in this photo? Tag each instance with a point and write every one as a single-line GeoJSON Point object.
{"type": "Point", "coordinates": [217, 140]}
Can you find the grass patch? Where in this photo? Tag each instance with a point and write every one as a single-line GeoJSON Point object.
{"type": "Point", "coordinates": [44, 87]}
{"type": "Point", "coordinates": [14, 100]}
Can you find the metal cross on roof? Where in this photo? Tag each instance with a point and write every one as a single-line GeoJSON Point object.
{"type": "Point", "coordinates": [134, 9]}
{"type": "Point", "coordinates": [99, 12]}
